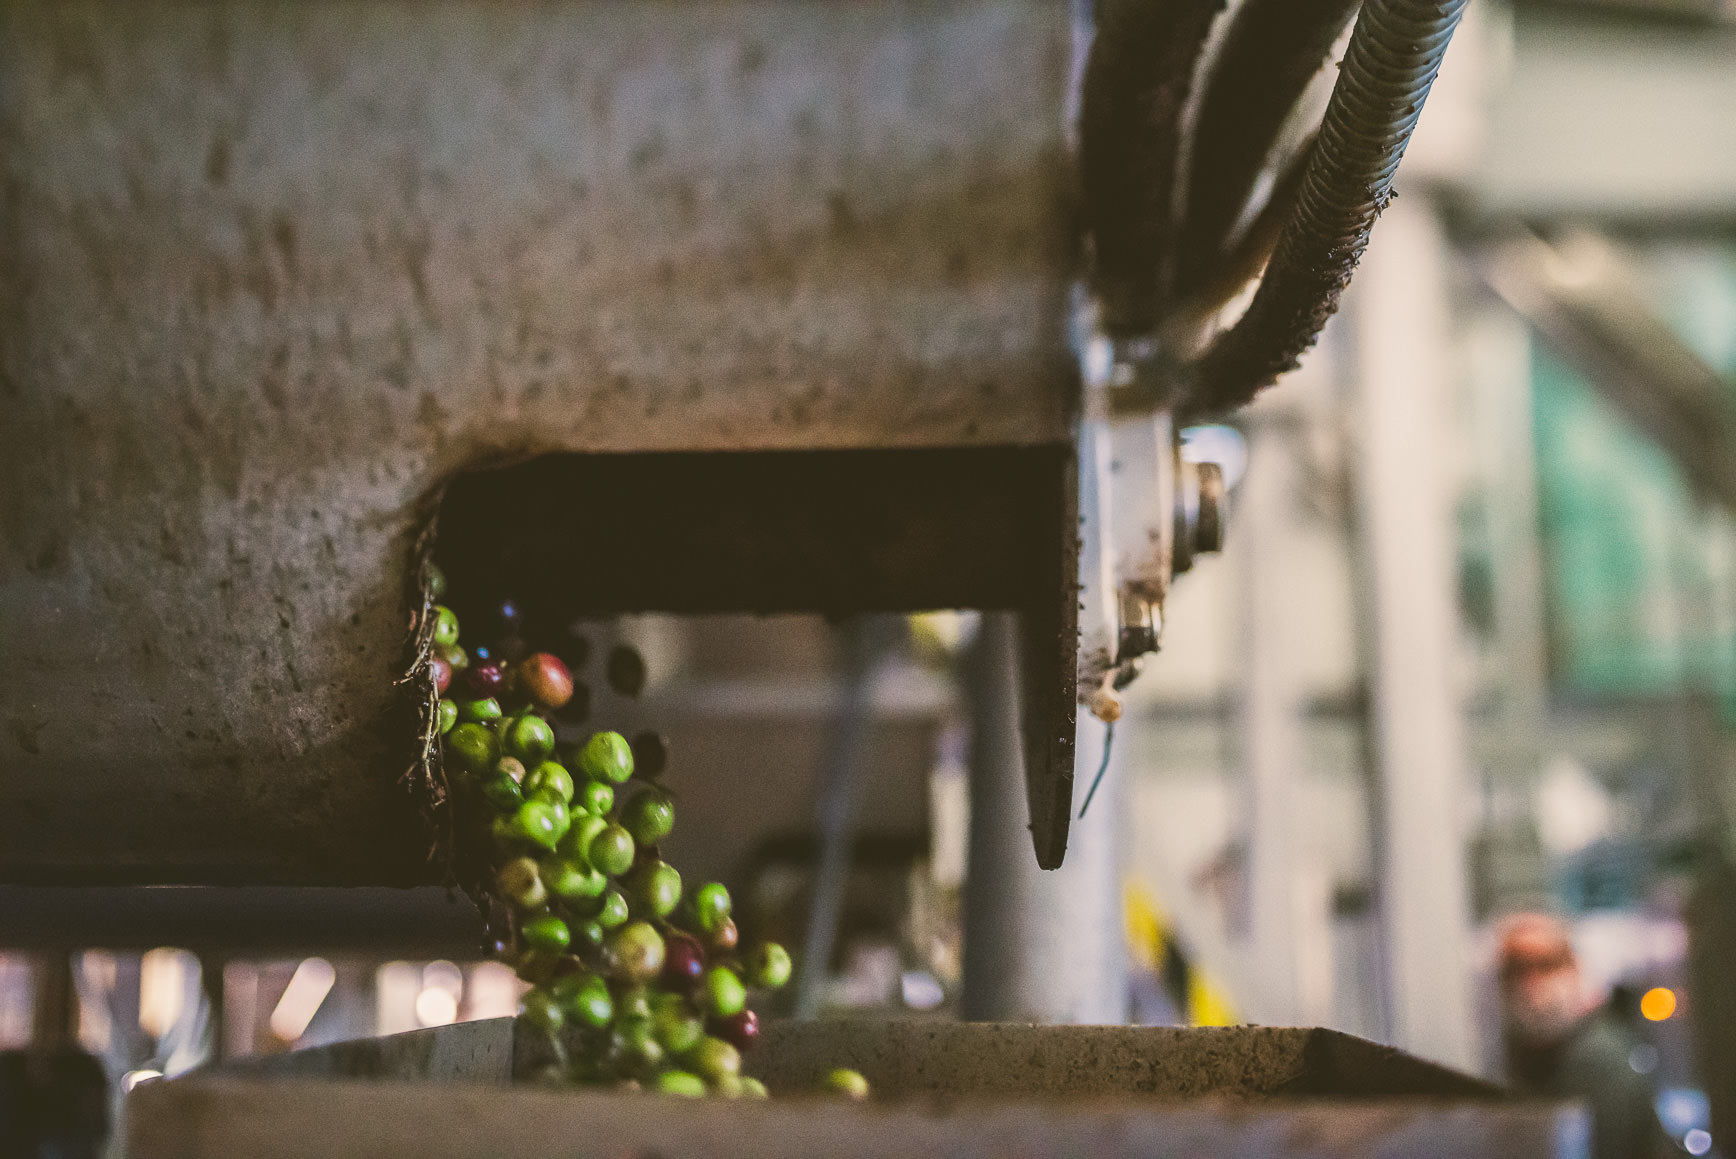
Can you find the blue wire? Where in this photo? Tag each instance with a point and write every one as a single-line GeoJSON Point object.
{"type": "Point", "coordinates": [1108, 740]}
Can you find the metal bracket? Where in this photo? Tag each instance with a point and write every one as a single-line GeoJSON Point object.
{"type": "Point", "coordinates": [1147, 513]}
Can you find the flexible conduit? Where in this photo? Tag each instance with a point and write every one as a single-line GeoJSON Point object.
{"type": "Point", "coordinates": [1272, 50]}
{"type": "Point", "coordinates": [1395, 52]}
{"type": "Point", "coordinates": [1136, 84]}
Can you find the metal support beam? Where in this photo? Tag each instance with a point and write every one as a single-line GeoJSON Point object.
{"type": "Point", "coordinates": [1039, 946]}
{"type": "Point", "coordinates": [1405, 511]}
{"type": "Point", "coordinates": [1510, 870]}
{"type": "Point", "coordinates": [1268, 718]}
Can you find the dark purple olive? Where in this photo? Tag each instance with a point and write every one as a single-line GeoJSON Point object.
{"type": "Point", "coordinates": [683, 962]}
{"type": "Point", "coordinates": [486, 678]}
{"type": "Point", "coordinates": [739, 1030]}
{"type": "Point", "coordinates": [441, 671]}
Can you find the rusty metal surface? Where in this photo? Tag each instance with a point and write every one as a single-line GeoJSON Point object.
{"type": "Point", "coordinates": [271, 273]}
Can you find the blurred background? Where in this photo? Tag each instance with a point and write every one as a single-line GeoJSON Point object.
{"type": "Point", "coordinates": [1474, 628]}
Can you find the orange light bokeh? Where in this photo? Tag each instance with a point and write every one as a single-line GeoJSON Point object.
{"type": "Point", "coordinates": [1658, 1004]}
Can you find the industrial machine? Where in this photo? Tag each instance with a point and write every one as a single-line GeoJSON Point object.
{"type": "Point", "coordinates": [775, 305]}
{"type": "Point", "coordinates": [276, 280]}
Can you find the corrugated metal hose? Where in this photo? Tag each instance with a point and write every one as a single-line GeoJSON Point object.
{"type": "Point", "coordinates": [1144, 262]}
{"type": "Point", "coordinates": [1395, 52]}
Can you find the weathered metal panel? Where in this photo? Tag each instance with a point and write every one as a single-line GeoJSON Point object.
{"type": "Point", "coordinates": [917, 1058]}
{"type": "Point", "coordinates": [943, 1088]}
{"type": "Point", "coordinates": [906, 1058]}
{"type": "Point", "coordinates": [300, 1119]}
{"type": "Point", "coordinates": [269, 273]}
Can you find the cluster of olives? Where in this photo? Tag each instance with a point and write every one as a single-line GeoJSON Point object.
{"type": "Point", "coordinates": [648, 975]}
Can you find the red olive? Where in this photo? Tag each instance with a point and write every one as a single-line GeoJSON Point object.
{"type": "Point", "coordinates": [544, 679]}
{"type": "Point", "coordinates": [725, 937]}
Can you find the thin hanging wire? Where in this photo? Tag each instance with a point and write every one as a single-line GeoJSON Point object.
{"type": "Point", "coordinates": [1108, 743]}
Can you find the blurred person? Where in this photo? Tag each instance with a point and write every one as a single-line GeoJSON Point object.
{"type": "Point", "coordinates": [1560, 1043]}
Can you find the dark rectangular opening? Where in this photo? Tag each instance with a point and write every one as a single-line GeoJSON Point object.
{"type": "Point", "coordinates": [833, 532]}
{"type": "Point", "coordinates": [587, 536]}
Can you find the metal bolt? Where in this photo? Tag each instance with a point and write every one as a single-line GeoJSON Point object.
{"type": "Point", "coordinates": [1208, 527]}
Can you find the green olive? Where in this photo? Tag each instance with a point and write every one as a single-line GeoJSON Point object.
{"type": "Point", "coordinates": [769, 965]}
{"type": "Point", "coordinates": [472, 746]}
{"type": "Point", "coordinates": [445, 627]}
{"type": "Point", "coordinates": [571, 881]}
{"type": "Point", "coordinates": [635, 1045]}
{"type": "Point", "coordinates": [713, 1058]}
{"type": "Point", "coordinates": [711, 907]}
{"type": "Point", "coordinates": [654, 889]}
{"type": "Point", "coordinates": [721, 992]}
{"type": "Point", "coordinates": [485, 709]}
{"type": "Point", "coordinates": [520, 883]}
{"type": "Point", "coordinates": [539, 1008]}
{"type": "Point", "coordinates": [680, 1082]}
{"type": "Point", "coordinates": [596, 797]}
{"type": "Point", "coordinates": [538, 821]}
{"type": "Point", "coordinates": [607, 757]}
{"type": "Point", "coordinates": [613, 911]}
{"type": "Point", "coordinates": [502, 791]}
{"type": "Point", "coordinates": [456, 658]}
{"type": "Point", "coordinates": [546, 932]}
{"type": "Point", "coordinates": [530, 739]}
{"type": "Point", "coordinates": [585, 999]}
{"type": "Point", "coordinates": [678, 1028]}
{"type": "Point", "coordinates": [633, 1002]}
{"type": "Point", "coordinates": [576, 845]}
{"type": "Point", "coordinates": [611, 850]}
{"type": "Point", "coordinates": [649, 817]}
{"type": "Point", "coordinates": [849, 1083]}
{"type": "Point", "coordinates": [552, 777]}
{"type": "Point", "coordinates": [637, 952]}
{"type": "Point", "coordinates": [589, 937]}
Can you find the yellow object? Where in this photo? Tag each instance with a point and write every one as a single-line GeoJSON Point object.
{"type": "Point", "coordinates": [1207, 1005]}
{"type": "Point", "coordinates": [1658, 1004]}
{"type": "Point", "coordinates": [1148, 936]}
{"type": "Point", "coordinates": [1145, 930]}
